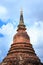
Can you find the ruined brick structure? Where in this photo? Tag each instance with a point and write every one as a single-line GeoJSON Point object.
{"type": "Point", "coordinates": [21, 51]}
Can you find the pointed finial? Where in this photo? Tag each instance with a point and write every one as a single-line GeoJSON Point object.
{"type": "Point", "coordinates": [21, 11]}
{"type": "Point", "coordinates": [21, 17]}
{"type": "Point", "coordinates": [21, 25]}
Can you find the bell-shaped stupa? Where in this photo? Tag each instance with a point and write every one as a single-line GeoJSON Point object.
{"type": "Point", "coordinates": [21, 51]}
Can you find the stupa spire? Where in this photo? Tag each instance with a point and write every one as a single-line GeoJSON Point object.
{"type": "Point", "coordinates": [21, 25]}
{"type": "Point", "coordinates": [21, 18]}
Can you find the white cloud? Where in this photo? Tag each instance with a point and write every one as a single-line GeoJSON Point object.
{"type": "Point", "coordinates": [35, 31]}
{"type": "Point", "coordinates": [33, 35]}
{"type": "Point", "coordinates": [36, 36]}
{"type": "Point", "coordinates": [3, 12]}
{"type": "Point", "coordinates": [7, 29]}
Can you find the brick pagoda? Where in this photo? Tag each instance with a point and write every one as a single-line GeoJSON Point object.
{"type": "Point", "coordinates": [21, 51]}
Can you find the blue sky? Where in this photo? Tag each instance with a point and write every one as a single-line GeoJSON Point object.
{"type": "Point", "coordinates": [9, 19]}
